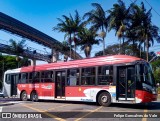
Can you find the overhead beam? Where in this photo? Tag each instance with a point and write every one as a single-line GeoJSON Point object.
{"type": "Point", "coordinates": [19, 28]}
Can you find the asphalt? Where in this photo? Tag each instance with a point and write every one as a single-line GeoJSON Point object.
{"type": "Point", "coordinates": [8, 101]}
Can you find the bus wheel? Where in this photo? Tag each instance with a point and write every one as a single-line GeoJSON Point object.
{"type": "Point", "coordinates": [34, 96]}
{"type": "Point", "coordinates": [24, 96]}
{"type": "Point", "coordinates": [104, 99]}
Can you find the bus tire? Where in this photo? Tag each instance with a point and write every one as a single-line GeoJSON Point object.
{"type": "Point", "coordinates": [34, 96]}
{"type": "Point", "coordinates": [104, 99]}
{"type": "Point", "coordinates": [24, 96]}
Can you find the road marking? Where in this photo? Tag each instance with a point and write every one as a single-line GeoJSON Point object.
{"type": "Point", "coordinates": [145, 119]}
{"type": "Point", "coordinates": [1, 109]}
{"type": "Point", "coordinates": [57, 107]}
{"type": "Point", "coordinates": [88, 113]}
{"type": "Point", "coordinates": [46, 113]}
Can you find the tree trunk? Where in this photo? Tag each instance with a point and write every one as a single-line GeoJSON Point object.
{"type": "Point", "coordinates": [119, 45]}
{"type": "Point", "coordinates": [87, 51]}
{"type": "Point", "coordinates": [65, 57]}
{"type": "Point", "coordinates": [144, 46]}
{"type": "Point", "coordinates": [147, 48]}
{"type": "Point", "coordinates": [140, 52]}
{"type": "Point", "coordinates": [103, 36]}
{"type": "Point", "coordinates": [74, 50]}
{"type": "Point", "coordinates": [133, 46]}
{"type": "Point", "coordinates": [123, 46]}
{"type": "Point", "coordinates": [74, 46]}
{"type": "Point", "coordinates": [103, 46]}
{"type": "Point", "coordinates": [70, 45]}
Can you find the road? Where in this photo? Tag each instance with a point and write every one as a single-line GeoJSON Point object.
{"type": "Point", "coordinates": [77, 111]}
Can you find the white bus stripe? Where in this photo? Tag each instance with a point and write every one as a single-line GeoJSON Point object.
{"type": "Point", "coordinates": [1, 109]}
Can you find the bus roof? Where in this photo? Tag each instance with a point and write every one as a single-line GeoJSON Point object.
{"type": "Point", "coordinates": [17, 70]}
{"type": "Point", "coordinates": [103, 60]}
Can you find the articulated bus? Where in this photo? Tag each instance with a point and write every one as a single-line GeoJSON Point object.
{"type": "Point", "coordinates": [105, 80]}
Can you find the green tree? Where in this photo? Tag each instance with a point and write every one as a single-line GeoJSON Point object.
{"type": "Point", "coordinates": [156, 69]}
{"type": "Point", "coordinates": [1, 70]}
{"type": "Point", "coordinates": [142, 29]}
{"type": "Point", "coordinates": [70, 25]}
{"type": "Point", "coordinates": [97, 17]}
{"type": "Point", "coordinates": [17, 48]}
{"type": "Point", "coordinates": [114, 50]}
{"type": "Point", "coordinates": [156, 75]}
{"type": "Point", "coordinates": [65, 26]}
{"type": "Point", "coordinates": [119, 20]}
{"type": "Point", "coordinates": [77, 25]}
{"type": "Point", "coordinates": [9, 62]}
{"type": "Point", "coordinates": [65, 48]}
{"type": "Point", "coordinates": [156, 64]}
{"type": "Point", "coordinates": [87, 38]}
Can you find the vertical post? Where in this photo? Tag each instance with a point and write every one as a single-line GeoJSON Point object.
{"type": "Point", "coordinates": [54, 55]}
{"type": "Point", "coordinates": [33, 62]}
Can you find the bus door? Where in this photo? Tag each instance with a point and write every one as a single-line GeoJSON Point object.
{"type": "Point", "coordinates": [126, 83]}
{"type": "Point", "coordinates": [14, 81]}
{"type": "Point", "coordinates": [60, 84]}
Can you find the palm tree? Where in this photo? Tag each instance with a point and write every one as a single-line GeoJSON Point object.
{"type": "Point", "coordinates": [17, 48]}
{"type": "Point", "coordinates": [118, 19]}
{"type": "Point", "coordinates": [87, 38]}
{"type": "Point", "coordinates": [65, 26]}
{"type": "Point", "coordinates": [65, 48]}
{"type": "Point", "coordinates": [77, 25]}
{"type": "Point", "coordinates": [70, 26]}
{"type": "Point", "coordinates": [99, 21]}
{"type": "Point", "coordinates": [144, 31]}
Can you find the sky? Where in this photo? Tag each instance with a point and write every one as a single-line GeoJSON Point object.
{"type": "Point", "coordinates": [43, 14]}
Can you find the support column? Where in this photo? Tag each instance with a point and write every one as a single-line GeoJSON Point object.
{"type": "Point", "coordinates": [54, 55]}
{"type": "Point", "coordinates": [33, 62]}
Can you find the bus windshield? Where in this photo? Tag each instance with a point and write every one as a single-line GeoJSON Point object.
{"type": "Point", "coordinates": [148, 75]}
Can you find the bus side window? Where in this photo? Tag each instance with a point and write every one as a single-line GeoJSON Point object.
{"type": "Point", "coordinates": [23, 78]}
{"type": "Point", "coordinates": [47, 76]}
{"type": "Point", "coordinates": [19, 78]}
{"type": "Point", "coordinates": [88, 76]}
{"type": "Point", "coordinates": [8, 79]}
{"type": "Point", "coordinates": [30, 79]}
{"type": "Point", "coordinates": [73, 77]}
{"type": "Point", "coordinates": [36, 77]}
{"type": "Point", "coordinates": [105, 75]}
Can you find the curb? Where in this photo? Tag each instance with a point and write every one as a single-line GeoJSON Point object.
{"type": "Point", "coordinates": [6, 104]}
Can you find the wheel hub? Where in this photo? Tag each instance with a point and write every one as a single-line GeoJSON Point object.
{"type": "Point", "coordinates": [24, 96]}
{"type": "Point", "coordinates": [104, 99]}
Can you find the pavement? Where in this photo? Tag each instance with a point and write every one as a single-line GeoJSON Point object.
{"type": "Point", "coordinates": [79, 111]}
{"type": "Point", "coordinates": [8, 101]}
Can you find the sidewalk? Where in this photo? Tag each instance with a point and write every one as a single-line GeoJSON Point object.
{"type": "Point", "coordinates": [8, 101]}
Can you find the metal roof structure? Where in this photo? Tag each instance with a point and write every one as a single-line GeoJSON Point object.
{"type": "Point", "coordinates": [27, 53]}
{"type": "Point", "coordinates": [19, 28]}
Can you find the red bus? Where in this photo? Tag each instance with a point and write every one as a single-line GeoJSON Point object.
{"type": "Point", "coordinates": [105, 80]}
